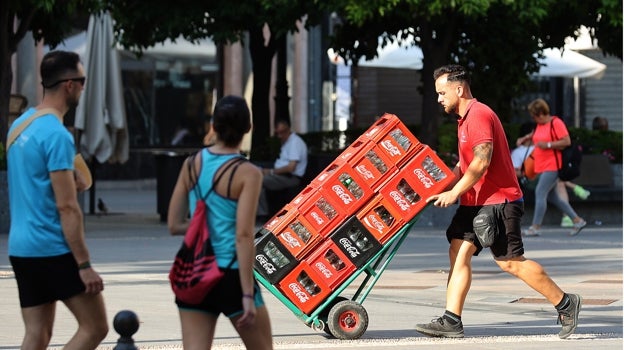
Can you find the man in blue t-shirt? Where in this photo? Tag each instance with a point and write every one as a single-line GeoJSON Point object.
{"type": "Point", "coordinates": [47, 247]}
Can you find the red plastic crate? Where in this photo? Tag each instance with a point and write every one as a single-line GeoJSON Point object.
{"type": "Point", "coordinates": [373, 165]}
{"type": "Point", "coordinates": [322, 213]}
{"type": "Point", "coordinates": [281, 218]}
{"type": "Point", "coordinates": [380, 218]}
{"type": "Point", "coordinates": [302, 197]}
{"type": "Point", "coordinates": [331, 264]}
{"type": "Point", "coordinates": [346, 188]}
{"type": "Point", "coordinates": [408, 190]}
{"type": "Point", "coordinates": [298, 236]}
{"type": "Point", "coordinates": [304, 288]}
{"type": "Point", "coordinates": [432, 174]}
{"type": "Point", "coordinates": [399, 144]}
{"type": "Point", "coordinates": [381, 126]}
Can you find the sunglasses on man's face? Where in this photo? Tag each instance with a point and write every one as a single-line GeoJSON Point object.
{"type": "Point", "coordinates": [80, 80]}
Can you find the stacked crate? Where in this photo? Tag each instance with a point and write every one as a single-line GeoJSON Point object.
{"type": "Point", "coordinates": [348, 212]}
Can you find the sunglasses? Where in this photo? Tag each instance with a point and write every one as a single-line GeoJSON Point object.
{"type": "Point", "coordinates": [80, 80]}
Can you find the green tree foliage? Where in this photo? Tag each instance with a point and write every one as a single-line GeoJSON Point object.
{"type": "Point", "coordinates": [141, 24]}
{"type": "Point", "coordinates": [48, 20]}
{"type": "Point", "coordinates": [496, 39]}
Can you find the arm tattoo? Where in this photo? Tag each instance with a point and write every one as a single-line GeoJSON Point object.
{"type": "Point", "coordinates": [483, 151]}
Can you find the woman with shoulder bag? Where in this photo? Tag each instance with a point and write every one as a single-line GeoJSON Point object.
{"type": "Point", "coordinates": [547, 156]}
{"type": "Point", "coordinates": [231, 227]}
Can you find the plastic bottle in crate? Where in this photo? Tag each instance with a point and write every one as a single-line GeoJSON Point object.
{"type": "Point", "coordinates": [308, 284]}
{"type": "Point", "coordinates": [401, 139]}
{"type": "Point", "coordinates": [334, 260]}
{"type": "Point", "coordinates": [351, 185]}
{"type": "Point", "coordinates": [377, 162]}
{"type": "Point", "coordinates": [273, 253]}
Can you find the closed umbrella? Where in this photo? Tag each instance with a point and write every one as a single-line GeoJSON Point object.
{"type": "Point", "coordinates": [100, 115]}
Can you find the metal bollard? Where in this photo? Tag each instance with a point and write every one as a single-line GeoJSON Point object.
{"type": "Point", "coordinates": [126, 323]}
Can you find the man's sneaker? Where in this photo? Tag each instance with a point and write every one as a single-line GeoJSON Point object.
{"type": "Point", "coordinates": [566, 222]}
{"type": "Point", "coordinates": [577, 227]}
{"type": "Point", "coordinates": [439, 327]}
{"type": "Point", "coordinates": [581, 192]}
{"type": "Point", "coordinates": [569, 317]}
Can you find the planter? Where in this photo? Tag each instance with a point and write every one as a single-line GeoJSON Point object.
{"type": "Point", "coordinates": [4, 203]}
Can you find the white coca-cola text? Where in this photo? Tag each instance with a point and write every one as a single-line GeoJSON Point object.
{"type": "Point", "coordinates": [374, 223]}
{"type": "Point", "coordinates": [399, 200]}
{"type": "Point", "coordinates": [367, 174]}
{"type": "Point", "coordinates": [420, 174]}
{"type": "Point", "coordinates": [324, 270]}
{"type": "Point", "coordinates": [266, 265]}
{"type": "Point", "coordinates": [290, 240]}
{"type": "Point", "coordinates": [319, 220]}
{"type": "Point", "coordinates": [301, 295]}
{"type": "Point", "coordinates": [392, 149]}
{"type": "Point", "coordinates": [344, 196]}
{"type": "Point", "coordinates": [351, 250]}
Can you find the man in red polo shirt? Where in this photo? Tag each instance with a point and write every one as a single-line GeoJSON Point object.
{"type": "Point", "coordinates": [485, 180]}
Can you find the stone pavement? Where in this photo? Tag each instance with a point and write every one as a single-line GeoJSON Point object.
{"type": "Point", "coordinates": [133, 252]}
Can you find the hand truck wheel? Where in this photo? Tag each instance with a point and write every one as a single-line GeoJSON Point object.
{"type": "Point", "coordinates": [347, 320]}
{"type": "Point", "coordinates": [325, 313]}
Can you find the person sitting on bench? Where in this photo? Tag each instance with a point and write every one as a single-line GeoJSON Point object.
{"type": "Point", "coordinates": [289, 167]}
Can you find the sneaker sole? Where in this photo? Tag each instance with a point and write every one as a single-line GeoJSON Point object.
{"type": "Point", "coordinates": [578, 308]}
{"type": "Point", "coordinates": [434, 334]}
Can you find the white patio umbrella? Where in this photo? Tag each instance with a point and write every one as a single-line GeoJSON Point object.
{"type": "Point", "coordinates": [101, 115]}
{"type": "Point", "coordinates": [393, 55]}
{"type": "Point", "coordinates": [569, 64]}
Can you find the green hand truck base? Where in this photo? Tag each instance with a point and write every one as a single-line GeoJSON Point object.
{"type": "Point", "coordinates": [338, 316]}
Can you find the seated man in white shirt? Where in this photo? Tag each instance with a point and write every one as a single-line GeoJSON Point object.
{"type": "Point", "coordinates": [289, 167]}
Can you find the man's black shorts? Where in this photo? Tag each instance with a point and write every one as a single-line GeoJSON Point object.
{"type": "Point", "coordinates": [42, 280]}
{"type": "Point", "coordinates": [507, 245]}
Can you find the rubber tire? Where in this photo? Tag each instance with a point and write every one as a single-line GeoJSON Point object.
{"type": "Point", "coordinates": [325, 313]}
{"type": "Point", "coordinates": [347, 320]}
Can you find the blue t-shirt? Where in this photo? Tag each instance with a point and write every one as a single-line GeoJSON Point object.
{"type": "Point", "coordinates": [43, 147]}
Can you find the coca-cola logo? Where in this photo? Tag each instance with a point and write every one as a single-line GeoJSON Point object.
{"type": "Point", "coordinates": [372, 131]}
{"type": "Point", "coordinates": [392, 149]}
{"type": "Point", "coordinates": [290, 240]}
{"type": "Point", "coordinates": [319, 220]}
{"type": "Point", "coordinates": [373, 222]}
{"type": "Point", "coordinates": [299, 294]}
{"type": "Point", "coordinates": [266, 265]}
{"type": "Point", "coordinates": [399, 200]}
{"type": "Point", "coordinates": [349, 248]}
{"type": "Point", "coordinates": [426, 181]}
{"type": "Point", "coordinates": [367, 174]}
{"type": "Point", "coordinates": [344, 196]}
{"type": "Point", "coordinates": [324, 270]}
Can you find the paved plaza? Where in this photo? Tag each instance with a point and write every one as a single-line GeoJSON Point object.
{"type": "Point", "coordinates": [133, 251]}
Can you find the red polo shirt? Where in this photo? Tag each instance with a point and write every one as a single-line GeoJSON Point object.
{"type": "Point", "coordinates": [499, 183]}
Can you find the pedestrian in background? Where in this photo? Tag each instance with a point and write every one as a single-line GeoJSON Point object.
{"type": "Point", "coordinates": [549, 138]}
{"type": "Point", "coordinates": [47, 247]}
{"type": "Point", "coordinates": [229, 205]}
{"type": "Point", "coordinates": [485, 177]}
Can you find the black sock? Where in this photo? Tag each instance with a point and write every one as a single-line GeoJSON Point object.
{"type": "Point", "coordinates": [564, 303]}
{"type": "Point", "coordinates": [451, 318]}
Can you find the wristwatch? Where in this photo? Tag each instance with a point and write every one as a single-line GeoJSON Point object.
{"type": "Point", "coordinates": [548, 145]}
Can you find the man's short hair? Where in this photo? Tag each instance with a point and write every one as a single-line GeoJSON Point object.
{"type": "Point", "coordinates": [455, 73]}
{"type": "Point", "coordinates": [57, 65]}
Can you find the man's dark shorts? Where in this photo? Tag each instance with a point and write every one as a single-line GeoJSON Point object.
{"type": "Point", "coordinates": [226, 297]}
{"type": "Point", "coordinates": [43, 280]}
{"type": "Point", "coordinates": [507, 245]}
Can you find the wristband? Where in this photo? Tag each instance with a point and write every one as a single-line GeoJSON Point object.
{"type": "Point", "coordinates": [549, 145]}
{"type": "Point", "coordinates": [248, 296]}
{"type": "Point", "coordinates": [84, 265]}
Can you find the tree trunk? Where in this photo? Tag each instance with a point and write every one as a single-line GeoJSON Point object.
{"type": "Point", "coordinates": [281, 83]}
{"type": "Point", "coordinates": [261, 57]}
{"type": "Point", "coordinates": [6, 77]}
